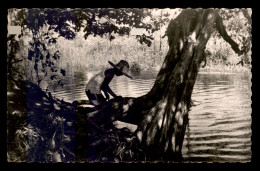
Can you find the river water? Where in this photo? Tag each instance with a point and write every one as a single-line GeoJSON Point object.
{"type": "Point", "coordinates": [219, 128]}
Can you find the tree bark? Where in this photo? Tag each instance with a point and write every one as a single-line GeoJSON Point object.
{"type": "Point", "coordinates": [162, 114]}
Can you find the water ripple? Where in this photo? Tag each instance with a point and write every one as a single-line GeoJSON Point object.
{"type": "Point", "coordinates": [219, 128]}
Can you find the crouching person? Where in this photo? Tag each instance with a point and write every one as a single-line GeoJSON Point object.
{"type": "Point", "coordinates": [100, 82]}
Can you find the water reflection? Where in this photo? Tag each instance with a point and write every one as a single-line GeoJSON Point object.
{"type": "Point", "coordinates": [219, 127]}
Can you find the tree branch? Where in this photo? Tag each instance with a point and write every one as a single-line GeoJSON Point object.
{"type": "Point", "coordinates": [222, 31]}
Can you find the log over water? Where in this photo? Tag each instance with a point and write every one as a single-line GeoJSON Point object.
{"type": "Point", "coordinates": [161, 114]}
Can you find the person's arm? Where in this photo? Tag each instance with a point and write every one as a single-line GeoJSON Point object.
{"type": "Point", "coordinates": [110, 91]}
{"type": "Point", "coordinates": [106, 89]}
{"type": "Point", "coordinates": [109, 74]}
{"type": "Point", "coordinates": [106, 94]}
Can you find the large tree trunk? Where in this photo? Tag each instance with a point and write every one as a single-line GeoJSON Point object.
{"type": "Point", "coordinates": [162, 129]}
{"type": "Point", "coordinates": [162, 114]}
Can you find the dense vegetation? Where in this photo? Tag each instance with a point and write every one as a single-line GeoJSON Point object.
{"type": "Point", "coordinates": [54, 50]}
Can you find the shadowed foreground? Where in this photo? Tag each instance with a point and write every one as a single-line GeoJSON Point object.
{"type": "Point", "coordinates": [42, 128]}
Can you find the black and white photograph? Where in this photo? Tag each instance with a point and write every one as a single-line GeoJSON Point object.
{"type": "Point", "coordinates": [129, 85]}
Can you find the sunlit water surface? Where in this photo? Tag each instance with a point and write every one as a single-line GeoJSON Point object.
{"type": "Point", "coordinates": [219, 128]}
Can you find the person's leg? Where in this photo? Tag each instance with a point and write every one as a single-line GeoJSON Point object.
{"type": "Point", "coordinates": [95, 99]}
{"type": "Point", "coordinates": [101, 98]}
{"type": "Point", "coordinates": [91, 97]}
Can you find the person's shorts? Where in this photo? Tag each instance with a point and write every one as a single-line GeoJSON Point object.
{"type": "Point", "coordinates": [95, 99]}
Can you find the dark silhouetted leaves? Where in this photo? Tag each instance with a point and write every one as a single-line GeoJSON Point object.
{"type": "Point", "coordinates": [111, 37]}
{"type": "Point", "coordinates": [35, 19]}
{"type": "Point", "coordinates": [60, 83]}
{"type": "Point", "coordinates": [48, 55]}
{"type": "Point", "coordinates": [36, 66]}
{"type": "Point", "coordinates": [30, 55]}
{"type": "Point", "coordinates": [53, 76]}
{"type": "Point", "coordinates": [49, 64]}
{"type": "Point", "coordinates": [41, 56]}
{"type": "Point", "coordinates": [52, 40]}
{"type": "Point", "coordinates": [144, 39]}
{"type": "Point", "coordinates": [56, 55]}
{"type": "Point", "coordinates": [63, 72]}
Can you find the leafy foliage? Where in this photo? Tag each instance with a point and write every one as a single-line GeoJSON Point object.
{"type": "Point", "coordinates": [238, 26]}
{"type": "Point", "coordinates": [44, 26]}
{"type": "Point", "coordinates": [112, 21]}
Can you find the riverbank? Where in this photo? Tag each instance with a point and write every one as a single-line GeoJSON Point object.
{"type": "Point", "coordinates": [39, 126]}
{"type": "Point", "coordinates": [137, 69]}
{"type": "Point", "coordinates": [42, 128]}
{"type": "Point", "coordinates": [227, 69]}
